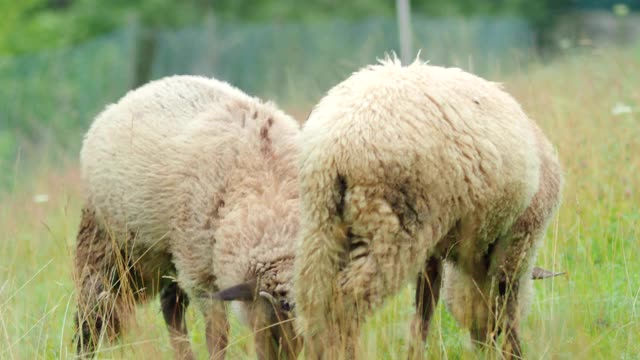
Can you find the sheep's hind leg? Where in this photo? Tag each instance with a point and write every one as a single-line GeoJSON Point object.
{"type": "Point", "coordinates": [427, 295]}
{"type": "Point", "coordinates": [174, 302]}
{"type": "Point", "coordinates": [426, 300]}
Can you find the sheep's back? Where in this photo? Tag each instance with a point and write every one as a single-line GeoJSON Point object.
{"type": "Point", "coordinates": [140, 151]}
{"type": "Point", "coordinates": [442, 130]}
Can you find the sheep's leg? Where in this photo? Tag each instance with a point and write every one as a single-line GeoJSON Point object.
{"type": "Point", "coordinates": [338, 340]}
{"type": "Point", "coordinates": [266, 346]}
{"type": "Point", "coordinates": [510, 271]}
{"type": "Point", "coordinates": [174, 302]}
{"type": "Point", "coordinates": [217, 330]}
{"type": "Point", "coordinates": [101, 305]}
{"type": "Point", "coordinates": [272, 340]}
{"type": "Point", "coordinates": [427, 295]}
{"type": "Point", "coordinates": [508, 305]}
{"type": "Point", "coordinates": [488, 311]}
{"type": "Point", "coordinates": [100, 313]}
{"type": "Point", "coordinates": [289, 345]}
{"type": "Point", "coordinates": [267, 342]}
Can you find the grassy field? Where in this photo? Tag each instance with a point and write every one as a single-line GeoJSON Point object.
{"type": "Point", "coordinates": [588, 105]}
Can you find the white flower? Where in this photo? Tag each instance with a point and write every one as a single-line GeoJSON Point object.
{"type": "Point", "coordinates": [620, 108]}
{"type": "Point", "coordinates": [40, 198]}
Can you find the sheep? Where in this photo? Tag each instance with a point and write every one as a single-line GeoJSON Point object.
{"type": "Point", "coordinates": [461, 290]}
{"type": "Point", "coordinates": [402, 168]}
{"type": "Point", "coordinates": [191, 192]}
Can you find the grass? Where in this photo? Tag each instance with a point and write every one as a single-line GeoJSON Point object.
{"type": "Point", "coordinates": [593, 312]}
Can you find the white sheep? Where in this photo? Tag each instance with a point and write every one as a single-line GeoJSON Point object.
{"type": "Point", "coordinates": [461, 293]}
{"type": "Point", "coordinates": [401, 168]}
{"type": "Point", "coordinates": [191, 188]}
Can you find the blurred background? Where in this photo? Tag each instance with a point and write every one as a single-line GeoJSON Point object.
{"type": "Point", "coordinates": [61, 61]}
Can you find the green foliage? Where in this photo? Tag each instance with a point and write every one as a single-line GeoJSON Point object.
{"type": "Point", "coordinates": [48, 99]}
{"type": "Point", "coordinates": [251, 10]}
{"type": "Point", "coordinates": [14, 28]}
{"type": "Point", "coordinates": [309, 10]}
{"type": "Point", "coordinates": [31, 25]}
{"type": "Point", "coordinates": [37, 24]}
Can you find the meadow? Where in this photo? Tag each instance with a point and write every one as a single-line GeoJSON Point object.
{"type": "Point", "coordinates": [589, 106]}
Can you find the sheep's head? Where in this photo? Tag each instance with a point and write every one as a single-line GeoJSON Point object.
{"type": "Point", "coordinates": [279, 300]}
{"type": "Point", "coordinates": [269, 291]}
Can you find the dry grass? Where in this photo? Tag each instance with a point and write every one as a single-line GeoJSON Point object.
{"type": "Point", "coordinates": [591, 313]}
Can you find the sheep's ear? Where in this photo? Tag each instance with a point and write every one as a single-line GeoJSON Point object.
{"type": "Point", "coordinates": [242, 292]}
{"type": "Point", "coordinates": [540, 273]}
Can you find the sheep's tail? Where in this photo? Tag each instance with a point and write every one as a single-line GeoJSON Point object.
{"type": "Point", "coordinates": [322, 241]}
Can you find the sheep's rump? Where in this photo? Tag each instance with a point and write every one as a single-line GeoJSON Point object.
{"type": "Point", "coordinates": [163, 143]}
{"type": "Point", "coordinates": [393, 159]}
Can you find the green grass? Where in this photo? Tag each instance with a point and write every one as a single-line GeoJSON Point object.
{"type": "Point", "coordinates": [591, 313]}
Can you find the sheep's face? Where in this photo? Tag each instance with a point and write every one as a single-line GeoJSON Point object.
{"type": "Point", "coordinates": [279, 317]}
{"type": "Point", "coordinates": [270, 293]}
{"type": "Point", "coordinates": [275, 289]}
{"type": "Point", "coordinates": [275, 284]}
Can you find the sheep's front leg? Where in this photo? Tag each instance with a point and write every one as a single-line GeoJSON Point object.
{"type": "Point", "coordinates": [266, 348]}
{"type": "Point", "coordinates": [98, 274]}
{"type": "Point", "coordinates": [217, 330]}
{"type": "Point", "coordinates": [508, 290]}
{"type": "Point", "coordinates": [510, 274]}
{"type": "Point", "coordinates": [264, 329]}
{"type": "Point", "coordinates": [174, 302]}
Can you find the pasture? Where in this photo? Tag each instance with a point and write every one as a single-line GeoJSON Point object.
{"type": "Point", "coordinates": [588, 105]}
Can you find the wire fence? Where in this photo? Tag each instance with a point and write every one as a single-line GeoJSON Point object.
{"type": "Point", "coordinates": [51, 97]}
{"type": "Point", "coordinates": [297, 62]}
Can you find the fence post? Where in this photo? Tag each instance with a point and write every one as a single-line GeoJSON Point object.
{"type": "Point", "coordinates": [403, 12]}
{"type": "Point", "coordinates": [146, 41]}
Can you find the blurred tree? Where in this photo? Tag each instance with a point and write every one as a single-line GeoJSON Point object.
{"type": "Point", "coordinates": [35, 24]}
{"type": "Point", "coordinates": [29, 25]}
{"type": "Point", "coordinates": [633, 5]}
{"type": "Point", "coordinates": [20, 26]}
{"type": "Point", "coordinates": [541, 14]}
{"type": "Point", "coordinates": [252, 10]}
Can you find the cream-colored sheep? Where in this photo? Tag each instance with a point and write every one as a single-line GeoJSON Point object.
{"type": "Point", "coordinates": [461, 290]}
{"type": "Point", "coordinates": [191, 188]}
{"type": "Point", "coordinates": [402, 167]}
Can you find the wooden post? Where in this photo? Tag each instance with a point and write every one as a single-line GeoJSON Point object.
{"type": "Point", "coordinates": [404, 30]}
{"type": "Point", "coordinates": [145, 52]}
